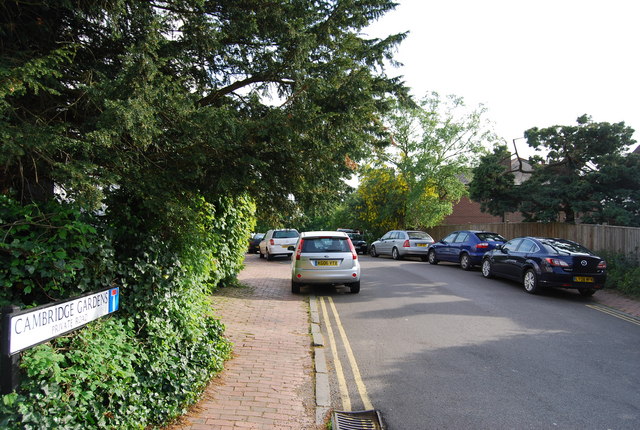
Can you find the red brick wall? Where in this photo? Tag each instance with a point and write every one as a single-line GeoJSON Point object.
{"type": "Point", "coordinates": [468, 212]}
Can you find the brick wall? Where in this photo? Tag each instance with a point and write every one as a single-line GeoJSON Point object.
{"type": "Point", "coordinates": [468, 212]}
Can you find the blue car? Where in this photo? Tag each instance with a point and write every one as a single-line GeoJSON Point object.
{"type": "Point", "coordinates": [466, 247]}
{"type": "Point", "coordinates": [545, 262]}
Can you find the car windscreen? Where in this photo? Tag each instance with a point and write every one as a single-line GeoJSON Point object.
{"type": "Point", "coordinates": [491, 236]}
{"type": "Point", "coordinates": [559, 246]}
{"type": "Point", "coordinates": [356, 236]}
{"type": "Point", "coordinates": [326, 244]}
{"type": "Point", "coordinates": [419, 235]}
{"type": "Point", "coordinates": [285, 234]}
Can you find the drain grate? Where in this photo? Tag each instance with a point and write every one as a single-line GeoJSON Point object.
{"type": "Point", "coordinates": [363, 420]}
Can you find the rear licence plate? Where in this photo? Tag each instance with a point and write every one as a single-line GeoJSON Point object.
{"type": "Point", "coordinates": [421, 244]}
{"type": "Point", "coordinates": [582, 279]}
{"type": "Point", "coordinates": [286, 246]}
{"type": "Point", "coordinates": [327, 263]}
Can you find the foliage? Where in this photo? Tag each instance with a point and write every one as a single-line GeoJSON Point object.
{"type": "Point", "coordinates": [416, 182]}
{"type": "Point", "coordinates": [50, 252]}
{"type": "Point", "coordinates": [151, 359]}
{"type": "Point", "coordinates": [493, 184]}
{"type": "Point", "coordinates": [623, 273]}
{"type": "Point", "coordinates": [585, 176]}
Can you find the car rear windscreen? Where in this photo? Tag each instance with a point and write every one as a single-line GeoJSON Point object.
{"type": "Point", "coordinates": [285, 234]}
{"type": "Point", "coordinates": [419, 235]}
{"type": "Point", "coordinates": [491, 236]}
{"type": "Point", "coordinates": [326, 244]}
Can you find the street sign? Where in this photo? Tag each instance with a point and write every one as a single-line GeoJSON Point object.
{"type": "Point", "coordinates": [33, 326]}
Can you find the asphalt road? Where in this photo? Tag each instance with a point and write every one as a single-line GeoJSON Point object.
{"type": "Point", "coordinates": [436, 347]}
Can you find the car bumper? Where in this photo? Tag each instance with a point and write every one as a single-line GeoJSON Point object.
{"type": "Point", "coordinates": [344, 276]}
{"type": "Point", "coordinates": [416, 251]}
{"type": "Point", "coordinates": [566, 280]}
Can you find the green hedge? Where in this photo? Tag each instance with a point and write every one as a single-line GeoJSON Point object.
{"type": "Point", "coordinates": [623, 274]}
{"type": "Point", "coordinates": [145, 364]}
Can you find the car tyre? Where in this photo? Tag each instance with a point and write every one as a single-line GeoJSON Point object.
{"type": "Point", "coordinates": [395, 254]}
{"type": "Point", "coordinates": [465, 261]}
{"type": "Point", "coordinates": [261, 254]}
{"type": "Point", "coordinates": [432, 257]}
{"type": "Point", "coordinates": [530, 281]}
{"type": "Point", "coordinates": [587, 292]}
{"type": "Point", "coordinates": [354, 287]}
{"type": "Point", "coordinates": [269, 256]}
{"type": "Point", "coordinates": [487, 272]}
{"type": "Point", "coordinates": [372, 251]}
{"type": "Point", "coordinates": [295, 287]}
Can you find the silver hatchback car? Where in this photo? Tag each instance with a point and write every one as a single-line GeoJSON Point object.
{"type": "Point", "coordinates": [402, 243]}
{"type": "Point", "coordinates": [325, 257]}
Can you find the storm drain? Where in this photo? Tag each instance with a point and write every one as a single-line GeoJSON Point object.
{"type": "Point", "coordinates": [363, 420]}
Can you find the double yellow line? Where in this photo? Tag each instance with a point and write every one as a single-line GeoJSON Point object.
{"type": "Point", "coordinates": [342, 382]}
{"type": "Point", "coordinates": [615, 313]}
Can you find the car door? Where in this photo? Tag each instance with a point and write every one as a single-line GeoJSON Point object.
{"type": "Point", "coordinates": [520, 257]}
{"type": "Point", "coordinates": [503, 260]}
{"type": "Point", "coordinates": [384, 247]}
{"type": "Point", "coordinates": [457, 245]}
{"type": "Point", "coordinates": [444, 250]}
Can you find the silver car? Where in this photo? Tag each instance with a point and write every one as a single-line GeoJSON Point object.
{"type": "Point", "coordinates": [325, 257]}
{"type": "Point", "coordinates": [402, 243]}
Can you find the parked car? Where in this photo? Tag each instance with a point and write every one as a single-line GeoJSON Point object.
{"type": "Point", "coordinates": [545, 262]}
{"type": "Point", "coordinates": [466, 247]}
{"type": "Point", "coordinates": [325, 257]}
{"type": "Point", "coordinates": [276, 243]}
{"type": "Point", "coordinates": [359, 243]}
{"type": "Point", "coordinates": [254, 243]}
{"type": "Point", "coordinates": [402, 243]}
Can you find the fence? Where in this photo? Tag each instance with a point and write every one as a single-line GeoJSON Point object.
{"type": "Point", "coordinates": [623, 240]}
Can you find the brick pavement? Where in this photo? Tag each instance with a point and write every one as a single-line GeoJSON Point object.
{"type": "Point", "coordinates": [617, 301]}
{"type": "Point", "coordinates": [268, 384]}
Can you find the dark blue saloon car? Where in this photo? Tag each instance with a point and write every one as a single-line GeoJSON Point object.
{"type": "Point", "coordinates": [466, 247]}
{"type": "Point", "coordinates": [545, 262]}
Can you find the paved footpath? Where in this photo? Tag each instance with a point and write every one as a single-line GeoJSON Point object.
{"type": "Point", "coordinates": [269, 382]}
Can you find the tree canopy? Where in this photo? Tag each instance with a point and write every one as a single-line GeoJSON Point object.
{"type": "Point", "coordinates": [586, 175]}
{"type": "Point", "coordinates": [169, 98]}
{"type": "Point", "coordinates": [415, 182]}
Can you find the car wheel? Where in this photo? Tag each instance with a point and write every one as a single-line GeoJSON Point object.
{"type": "Point", "coordinates": [261, 254]}
{"type": "Point", "coordinates": [269, 256]}
{"type": "Point", "coordinates": [354, 287]}
{"type": "Point", "coordinates": [486, 268]}
{"type": "Point", "coordinates": [432, 257]}
{"type": "Point", "coordinates": [465, 262]}
{"type": "Point", "coordinates": [395, 254]}
{"type": "Point", "coordinates": [588, 292]}
{"type": "Point", "coordinates": [530, 281]}
{"type": "Point", "coordinates": [372, 251]}
{"type": "Point", "coordinates": [295, 287]}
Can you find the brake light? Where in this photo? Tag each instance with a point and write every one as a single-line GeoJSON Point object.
{"type": "Point", "coordinates": [272, 242]}
{"type": "Point", "coordinates": [299, 251]}
{"type": "Point", "coordinates": [556, 262]}
{"type": "Point", "coordinates": [482, 245]}
{"type": "Point", "coordinates": [602, 265]}
{"type": "Point", "coordinates": [406, 244]}
{"type": "Point", "coordinates": [353, 250]}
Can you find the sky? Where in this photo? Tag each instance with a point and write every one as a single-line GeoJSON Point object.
{"type": "Point", "coordinates": [531, 63]}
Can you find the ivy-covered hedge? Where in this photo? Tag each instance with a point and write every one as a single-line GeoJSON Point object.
{"type": "Point", "coordinates": [145, 364]}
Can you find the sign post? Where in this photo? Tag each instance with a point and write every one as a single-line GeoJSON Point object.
{"type": "Point", "coordinates": [22, 329]}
